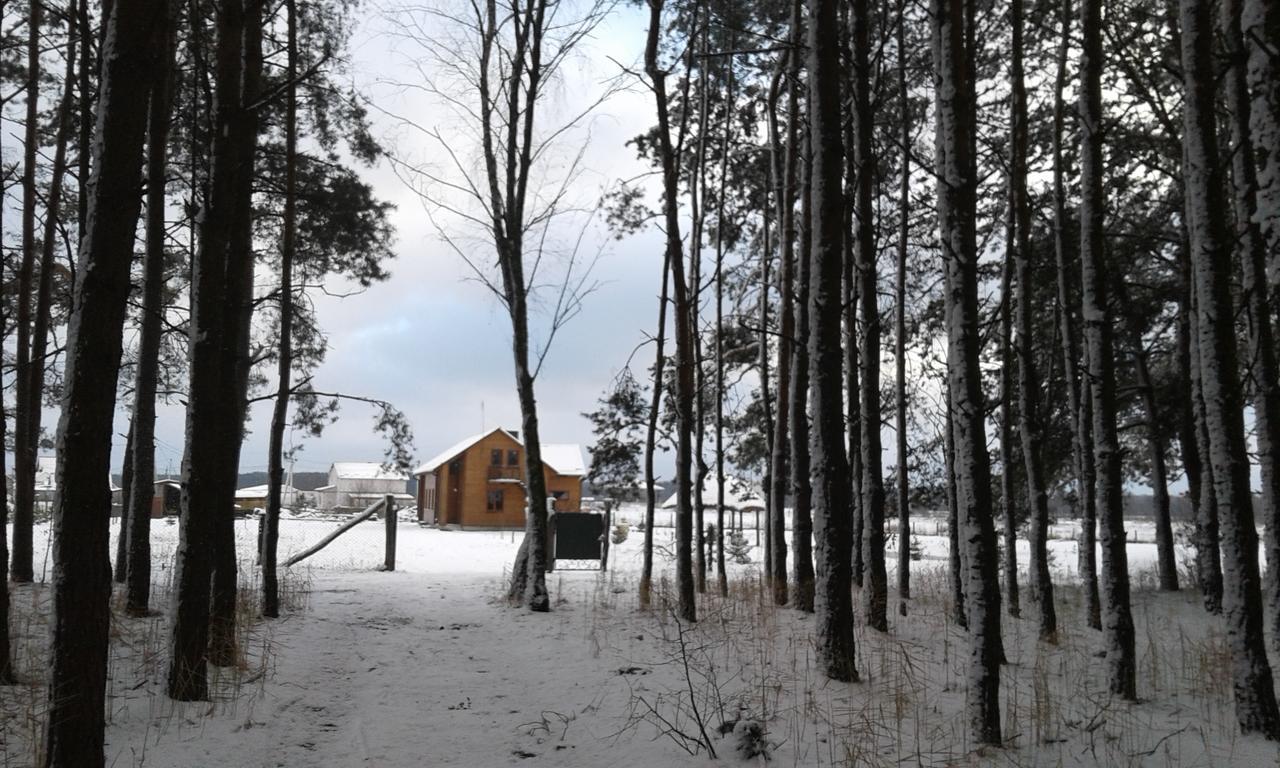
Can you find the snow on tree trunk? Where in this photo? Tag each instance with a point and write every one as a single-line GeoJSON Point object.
{"type": "Point", "coordinates": [81, 578]}
{"type": "Point", "coordinates": [952, 71]}
{"type": "Point", "coordinates": [1251, 254]}
{"type": "Point", "coordinates": [830, 469]}
{"type": "Point", "coordinates": [209, 408]}
{"type": "Point", "coordinates": [1211, 261]}
{"type": "Point", "coordinates": [1117, 621]}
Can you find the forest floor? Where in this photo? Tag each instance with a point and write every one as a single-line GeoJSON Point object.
{"type": "Point", "coordinates": [428, 666]}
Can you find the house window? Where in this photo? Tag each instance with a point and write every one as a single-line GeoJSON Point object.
{"type": "Point", "coordinates": [495, 501]}
{"type": "Point", "coordinates": [513, 457]}
{"type": "Point", "coordinates": [495, 457]}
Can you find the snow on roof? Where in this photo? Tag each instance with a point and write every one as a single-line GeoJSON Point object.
{"type": "Point", "coordinates": [738, 494]}
{"type": "Point", "coordinates": [564, 458]}
{"type": "Point", "coordinates": [364, 470]}
{"type": "Point", "coordinates": [260, 491]}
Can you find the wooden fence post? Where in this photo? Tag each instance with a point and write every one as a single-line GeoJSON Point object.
{"type": "Point", "coordinates": [389, 515]}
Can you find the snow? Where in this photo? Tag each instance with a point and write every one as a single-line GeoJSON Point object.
{"type": "Point", "coordinates": [427, 666]}
{"type": "Point", "coordinates": [565, 458]}
{"type": "Point", "coordinates": [738, 495]}
{"type": "Point", "coordinates": [364, 470]}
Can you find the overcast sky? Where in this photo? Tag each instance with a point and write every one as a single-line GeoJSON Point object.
{"type": "Point", "coordinates": [432, 340]}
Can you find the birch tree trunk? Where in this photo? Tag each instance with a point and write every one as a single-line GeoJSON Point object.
{"type": "Point", "coordinates": [956, 207]}
{"type": "Point", "coordinates": [832, 502]}
{"type": "Point", "coordinates": [1211, 262]}
{"type": "Point", "coordinates": [81, 581]}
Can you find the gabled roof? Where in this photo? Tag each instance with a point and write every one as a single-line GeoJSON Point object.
{"type": "Point", "coordinates": [364, 470]}
{"type": "Point", "coordinates": [738, 494]}
{"type": "Point", "coordinates": [260, 491]}
{"type": "Point", "coordinates": [564, 458]}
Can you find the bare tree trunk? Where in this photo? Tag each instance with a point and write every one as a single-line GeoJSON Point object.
{"type": "Point", "coordinates": [284, 364]}
{"type": "Point", "coordinates": [1211, 264]}
{"type": "Point", "coordinates": [687, 608]}
{"type": "Point", "coordinates": [900, 324]}
{"type": "Point", "coordinates": [1077, 399]}
{"type": "Point", "coordinates": [697, 195]}
{"type": "Point", "coordinates": [81, 583]}
{"type": "Point", "coordinates": [1208, 549]}
{"type": "Point", "coordinates": [830, 469]}
{"type": "Point", "coordinates": [1116, 618]}
{"type": "Point", "coordinates": [651, 436]}
{"type": "Point", "coordinates": [786, 238]}
{"type": "Point", "coordinates": [208, 405]}
{"type": "Point", "coordinates": [1007, 507]}
{"type": "Point", "coordinates": [801, 490]}
{"type": "Point", "coordinates": [1166, 564]}
{"type": "Point", "coordinates": [719, 393]}
{"type": "Point", "coordinates": [876, 594]}
{"type": "Point", "coordinates": [235, 353]}
{"type": "Point", "coordinates": [1251, 253]}
{"type": "Point", "coordinates": [127, 486]}
{"type": "Point", "coordinates": [766, 259]}
{"type": "Point", "coordinates": [1260, 34]}
{"type": "Point", "coordinates": [955, 568]}
{"type": "Point", "coordinates": [1188, 423]}
{"type": "Point", "coordinates": [849, 292]}
{"type": "Point", "coordinates": [1029, 417]}
{"type": "Point", "coordinates": [24, 459]}
{"type": "Point", "coordinates": [956, 210]}
{"type": "Point", "coordinates": [138, 503]}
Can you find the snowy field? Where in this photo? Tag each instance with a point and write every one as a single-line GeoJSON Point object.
{"type": "Point", "coordinates": [427, 666]}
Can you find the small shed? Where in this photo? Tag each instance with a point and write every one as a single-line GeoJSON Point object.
{"type": "Point", "coordinates": [354, 485]}
{"type": "Point", "coordinates": [166, 500]}
{"type": "Point", "coordinates": [255, 497]}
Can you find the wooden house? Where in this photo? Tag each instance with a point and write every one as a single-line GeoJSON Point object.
{"type": "Point", "coordinates": [479, 482]}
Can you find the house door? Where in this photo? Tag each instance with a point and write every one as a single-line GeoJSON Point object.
{"type": "Point", "coordinates": [453, 512]}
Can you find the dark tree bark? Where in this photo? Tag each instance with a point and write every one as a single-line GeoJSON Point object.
{"type": "Point", "coordinates": [126, 490]}
{"type": "Point", "coordinates": [1251, 253]}
{"type": "Point", "coordinates": [234, 352]}
{"type": "Point", "coordinates": [726, 138]}
{"type": "Point", "coordinates": [1166, 564]}
{"type": "Point", "coordinates": [849, 286]}
{"type": "Point", "coordinates": [900, 325]}
{"type": "Point", "coordinates": [1007, 501]}
{"type": "Point", "coordinates": [786, 336]}
{"type": "Point", "coordinates": [766, 260]}
{"type": "Point", "coordinates": [687, 608]}
{"type": "Point", "coordinates": [651, 436]}
{"type": "Point", "coordinates": [284, 364]}
{"type": "Point", "coordinates": [1117, 620]}
{"type": "Point", "coordinates": [1029, 417]}
{"type": "Point", "coordinates": [1077, 398]}
{"type": "Point", "coordinates": [210, 411]}
{"type": "Point", "coordinates": [875, 580]}
{"type": "Point", "coordinates": [827, 440]}
{"type": "Point", "coordinates": [1208, 549]}
{"type": "Point", "coordinates": [697, 196]}
{"type": "Point", "coordinates": [1211, 261]}
{"type": "Point", "coordinates": [956, 209]}
{"type": "Point", "coordinates": [81, 583]}
{"type": "Point", "coordinates": [1260, 36]}
{"type": "Point", "coordinates": [955, 569]}
{"type": "Point", "coordinates": [801, 489]}
{"type": "Point", "coordinates": [21, 568]}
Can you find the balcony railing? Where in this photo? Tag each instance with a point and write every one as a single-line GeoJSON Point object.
{"type": "Point", "coordinates": [506, 474]}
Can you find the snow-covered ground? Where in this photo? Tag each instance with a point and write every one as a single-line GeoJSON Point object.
{"type": "Point", "coordinates": [428, 666]}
